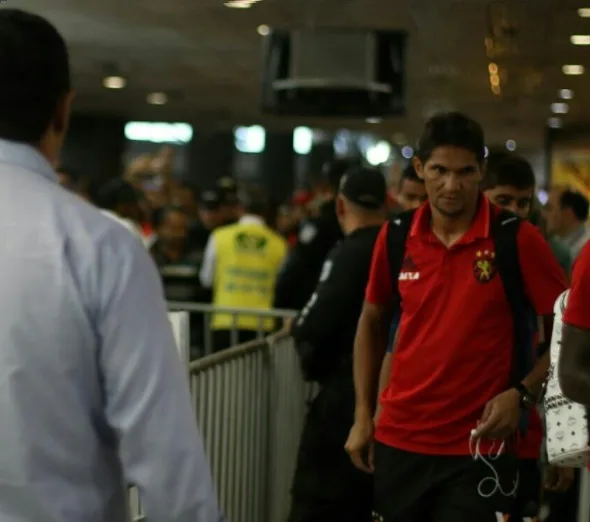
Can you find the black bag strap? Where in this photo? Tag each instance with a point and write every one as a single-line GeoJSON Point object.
{"type": "Point", "coordinates": [397, 233]}
{"type": "Point", "coordinates": [504, 233]}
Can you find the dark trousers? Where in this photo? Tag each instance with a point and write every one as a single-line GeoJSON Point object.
{"type": "Point", "coordinates": [528, 495]}
{"type": "Point", "coordinates": [410, 487]}
{"type": "Point", "coordinates": [326, 486]}
{"type": "Point", "coordinates": [222, 339]}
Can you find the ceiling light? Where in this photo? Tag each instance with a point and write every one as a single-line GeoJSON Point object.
{"type": "Point", "coordinates": [554, 123]}
{"type": "Point", "coordinates": [239, 4]}
{"type": "Point", "coordinates": [511, 145]}
{"type": "Point", "coordinates": [573, 70]}
{"type": "Point", "coordinates": [580, 39]}
{"type": "Point", "coordinates": [584, 12]}
{"type": "Point", "coordinates": [157, 98]}
{"type": "Point", "coordinates": [495, 79]}
{"type": "Point", "coordinates": [114, 82]}
{"type": "Point", "coordinates": [560, 108]}
{"type": "Point", "coordinates": [263, 30]}
{"type": "Point", "coordinates": [407, 152]}
{"type": "Point", "coordinates": [493, 68]}
{"type": "Point", "coordinates": [566, 94]}
{"type": "Point", "coordinates": [496, 90]}
{"type": "Point", "coordinates": [373, 120]}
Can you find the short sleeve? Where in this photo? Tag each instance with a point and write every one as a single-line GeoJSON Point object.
{"type": "Point", "coordinates": [544, 279]}
{"type": "Point", "coordinates": [577, 312]}
{"type": "Point", "coordinates": [379, 288]}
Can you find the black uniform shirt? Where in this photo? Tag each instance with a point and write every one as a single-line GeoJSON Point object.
{"type": "Point", "coordinates": [328, 321]}
{"type": "Point", "coordinates": [300, 273]}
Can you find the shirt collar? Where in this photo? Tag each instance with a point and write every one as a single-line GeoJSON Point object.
{"type": "Point", "coordinates": [26, 157]}
{"type": "Point", "coordinates": [480, 227]}
{"type": "Point", "coordinates": [249, 219]}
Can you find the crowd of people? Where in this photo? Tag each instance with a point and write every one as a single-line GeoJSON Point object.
{"type": "Point", "coordinates": [424, 317]}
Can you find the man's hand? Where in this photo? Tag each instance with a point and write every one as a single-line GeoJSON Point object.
{"type": "Point", "coordinates": [500, 416]}
{"type": "Point", "coordinates": [559, 480]}
{"type": "Point", "coordinates": [360, 441]}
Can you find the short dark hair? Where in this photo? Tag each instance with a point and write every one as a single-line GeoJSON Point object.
{"type": "Point", "coordinates": [254, 200]}
{"type": "Point", "coordinates": [506, 168]}
{"type": "Point", "coordinates": [410, 174]}
{"type": "Point", "coordinates": [577, 202]}
{"type": "Point", "coordinates": [451, 129]}
{"type": "Point", "coordinates": [116, 192]}
{"type": "Point", "coordinates": [35, 72]}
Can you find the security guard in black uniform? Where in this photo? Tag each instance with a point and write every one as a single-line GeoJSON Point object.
{"type": "Point", "coordinates": [316, 238]}
{"type": "Point", "coordinates": [326, 485]}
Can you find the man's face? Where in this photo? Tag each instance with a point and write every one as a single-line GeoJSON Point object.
{"type": "Point", "coordinates": [411, 194]}
{"type": "Point", "coordinates": [519, 201]}
{"type": "Point", "coordinates": [451, 176]}
{"type": "Point", "coordinates": [174, 229]}
{"type": "Point", "coordinates": [553, 213]}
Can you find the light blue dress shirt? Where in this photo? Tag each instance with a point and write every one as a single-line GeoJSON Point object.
{"type": "Point", "coordinates": [92, 391]}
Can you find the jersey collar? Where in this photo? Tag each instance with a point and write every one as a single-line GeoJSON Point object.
{"type": "Point", "coordinates": [480, 228]}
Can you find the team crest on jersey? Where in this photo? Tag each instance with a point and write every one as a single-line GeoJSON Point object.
{"type": "Point", "coordinates": [485, 267]}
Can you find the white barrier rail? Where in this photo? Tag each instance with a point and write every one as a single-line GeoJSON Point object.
{"type": "Point", "coordinates": [250, 401]}
{"type": "Point", "coordinates": [206, 311]}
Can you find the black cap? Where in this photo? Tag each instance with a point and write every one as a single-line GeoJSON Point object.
{"type": "Point", "coordinates": [210, 199]}
{"type": "Point", "coordinates": [364, 187]}
{"type": "Point", "coordinates": [332, 171]}
{"type": "Point", "coordinates": [228, 191]}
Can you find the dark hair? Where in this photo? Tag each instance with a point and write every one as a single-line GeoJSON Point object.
{"type": "Point", "coordinates": [505, 168]}
{"type": "Point", "coordinates": [409, 173]}
{"type": "Point", "coordinates": [160, 215]}
{"type": "Point", "coordinates": [451, 129]}
{"type": "Point", "coordinates": [35, 74]}
{"type": "Point", "coordinates": [577, 202]}
{"type": "Point", "coordinates": [116, 192]}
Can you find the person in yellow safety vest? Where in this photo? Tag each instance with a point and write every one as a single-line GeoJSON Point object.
{"type": "Point", "coordinates": [241, 263]}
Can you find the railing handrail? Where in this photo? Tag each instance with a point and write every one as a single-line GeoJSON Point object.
{"type": "Point", "coordinates": [203, 307]}
{"type": "Point", "coordinates": [204, 363]}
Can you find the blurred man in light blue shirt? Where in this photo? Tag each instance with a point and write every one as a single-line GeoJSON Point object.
{"type": "Point", "coordinates": [92, 392]}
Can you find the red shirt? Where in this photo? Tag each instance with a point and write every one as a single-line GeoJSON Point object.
{"type": "Point", "coordinates": [454, 348]}
{"type": "Point", "coordinates": [577, 311]}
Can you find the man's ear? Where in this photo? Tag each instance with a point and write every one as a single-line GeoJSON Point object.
{"type": "Point", "coordinates": [418, 167]}
{"type": "Point", "coordinates": [63, 111]}
{"type": "Point", "coordinates": [340, 206]}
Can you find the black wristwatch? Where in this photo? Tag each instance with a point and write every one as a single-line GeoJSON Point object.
{"type": "Point", "coordinates": [527, 399]}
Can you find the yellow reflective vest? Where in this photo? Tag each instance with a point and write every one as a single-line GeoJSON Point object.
{"type": "Point", "coordinates": [248, 258]}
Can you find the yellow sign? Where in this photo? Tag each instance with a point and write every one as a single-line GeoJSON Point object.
{"type": "Point", "coordinates": [570, 167]}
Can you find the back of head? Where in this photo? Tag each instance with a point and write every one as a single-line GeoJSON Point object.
{"type": "Point", "coordinates": [508, 169]}
{"type": "Point", "coordinates": [116, 192]}
{"type": "Point", "coordinates": [451, 129]}
{"type": "Point", "coordinates": [365, 189]}
{"type": "Point", "coordinates": [35, 74]}
{"type": "Point", "coordinates": [254, 200]}
{"type": "Point", "coordinates": [577, 203]}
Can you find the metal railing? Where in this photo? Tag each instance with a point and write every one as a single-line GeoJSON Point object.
{"type": "Point", "coordinates": [206, 311]}
{"type": "Point", "coordinates": [251, 402]}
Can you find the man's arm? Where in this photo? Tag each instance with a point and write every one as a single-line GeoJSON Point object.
{"type": "Point", "coordinates": [372, 330]}
{"type": "Point", "coordinates": [544, 282]}
{"type": "Point", "coordinates": [574, 360]}
{"type": "Point", "coordinates": [207, 273]}
{"type": "Point", "coordinates": [147, 400]}
{"type": "Point", "coordinates": [338, 292]}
